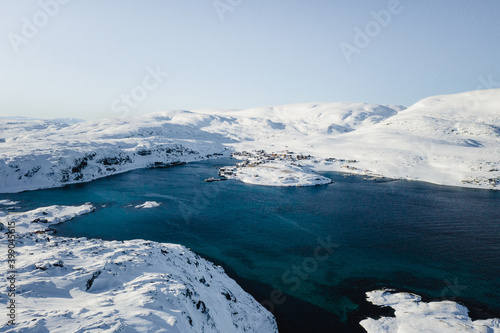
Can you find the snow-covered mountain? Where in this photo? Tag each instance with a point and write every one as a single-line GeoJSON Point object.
{"type": "Point", "coordinates": [451, 140]}
{"type": "Point", "coordinates": [68, 284]}
{"type": "Point", "coordinates": [42, 153]}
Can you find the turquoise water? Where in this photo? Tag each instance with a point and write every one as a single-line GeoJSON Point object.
{"type": "Point", "coordinates": [440, 242]}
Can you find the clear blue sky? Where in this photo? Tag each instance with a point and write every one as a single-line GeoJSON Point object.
{"type": "Point", "coordinates": [87, 54]}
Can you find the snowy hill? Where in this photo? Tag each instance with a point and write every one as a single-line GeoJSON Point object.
{"type": "Point", "coordinates": [450, 140]}
{"type": "Point", "coordinates": [92, 285]}
{"type": "Point", "coordinates": [82, 285]}
{"type": "Point", "coordinates": [40, 153]}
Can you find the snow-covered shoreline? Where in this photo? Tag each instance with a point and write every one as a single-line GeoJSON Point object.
{"type": "Point", "coordinates": [37, 154]}
{"type": "Point", "coordinates": [273, 169]}
{"type": "Point", "coordinates": [79, 284]}
{"type": "Point", "coordinates": [445, 140]}
{"type": "Point", "coordinates": [412, 315]}
{"type": "Point", "coordinates": [84, 284]}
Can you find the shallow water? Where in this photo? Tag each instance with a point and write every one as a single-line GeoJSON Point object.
{"type": "Point", "coordinates": [440, 242]}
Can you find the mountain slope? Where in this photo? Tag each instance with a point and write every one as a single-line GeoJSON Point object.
{"type": "Point", "coordinates": [450, 140]}
{"type": "Point", "coordinates": [91, 285]}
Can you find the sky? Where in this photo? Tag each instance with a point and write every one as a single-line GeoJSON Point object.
{"type": "Point", "coordinates": [99, 59]}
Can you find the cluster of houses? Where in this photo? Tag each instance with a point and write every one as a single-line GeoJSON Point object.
{"type": "Point", "coordinates": [259, 157]}
{"type": "Point", "coordinates": [262, 156]}
{"type": "Point", "coordinates": [483, 180]}
{"type": "Point", "coordinates": [333, 159]}
{"type": "Point", "coordinates": [227, 172]}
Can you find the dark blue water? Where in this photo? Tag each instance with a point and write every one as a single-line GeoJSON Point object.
{"type": "Point", "coordinates": [308, 254]}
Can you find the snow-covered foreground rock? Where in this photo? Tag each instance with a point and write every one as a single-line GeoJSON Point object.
{"type": "Point", "coordinates": [449, 140]}
{"type": "Point", "coordinates": [8, 203]}
{"type": "Point", "coordinates": [82, 285]}
{"type": "Point", "coordinates": [414, 316]}
{"type": "Point", "coordinates": [41, 219]}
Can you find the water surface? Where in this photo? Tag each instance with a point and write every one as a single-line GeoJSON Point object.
{"type": "Point", "coordinates": [440, 242]}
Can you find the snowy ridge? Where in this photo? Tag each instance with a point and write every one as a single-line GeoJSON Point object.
{"type": "Point", "coordinates": [40, 219]}
{"type": "Point", "coordinates": [38, 154]}
{"type": "Point", "coordinates": [414, 316]}
{"type": "Point", "coordinates": [292, 126]}
{"type": "Point", "coordinates": [449, 140]}
{"type": "Point", "coordinates": [82, 285]}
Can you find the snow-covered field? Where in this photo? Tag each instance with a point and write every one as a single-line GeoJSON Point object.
{"type": "Point", "coordinates": [82, 285]}
{"type": "Point", "coordinates": [414, 316]}
{"type": "Point", "coordinates": [450, 140]}
{"type": "Point", "coordinates": [280, 174]}
{"type": "Point", "coordinates": [274, 169]}
{"type": "Point", "coordinates": [40, 219]}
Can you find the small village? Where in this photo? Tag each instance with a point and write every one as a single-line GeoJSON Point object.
{"type": "Point", "coordinates": [260, 157]}
{"type": "Point", "coordinates": [256, 158]}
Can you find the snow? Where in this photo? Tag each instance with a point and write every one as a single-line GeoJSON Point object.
{"type": "Point", "coordinates": [8, 202]}
{"type": "Point", "coordinates": [88, 285]}
{"type": "Point", "coordinates": [40, 219]}
{"type": "Point", "coordinates": [37, 154]}
{"type": "Point", "coordinates": [273, 169]}
{"type": "Point", "coordinates": [449, 140]}
{"type": "Point", "coordinates": [68, 284]}
{"type": "Point", "coordinates": [279, 174]}
{"type": "Point", "coordinates": [413, 315]}
{"type": "Point", "coordinates": [148, 204]}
